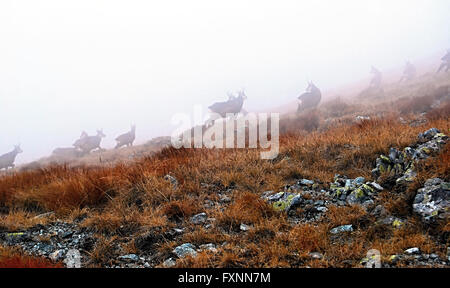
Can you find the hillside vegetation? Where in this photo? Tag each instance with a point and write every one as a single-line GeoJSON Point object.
{"type": "Point", "coordinates": [222, 208]}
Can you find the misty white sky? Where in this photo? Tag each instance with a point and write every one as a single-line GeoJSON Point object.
{"type": "Point", "coordinates": [68, 66]}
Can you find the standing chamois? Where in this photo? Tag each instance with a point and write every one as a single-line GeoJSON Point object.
{"type": "Point", "coordinates": [445, 62]}
{"type": "Point", "coordinates": [127, 138]}
{"type": "Point", "coordinates": [7, 160]}
{"type": "Point", "coordinates": [310, 99]}
{"type": "Point", "coordinates": [409, 73]}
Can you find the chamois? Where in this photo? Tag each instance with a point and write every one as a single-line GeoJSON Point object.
{"type": "Point", "coordinates": [232, 106]}
{"type": "Point", "coordinates": [89, 143]}
{"type": "Point", "coordinates": [377, 77]}
{"type": "Point", "coordinates": [7, 160]}
{"type": "Point", "coordinates": [445, 62]}
{"type": "Point", "coordinates": [127, 138]}
{"type": "Point", "coordinates": [409, 73]}
{"type": "Point", "coordinates": [310, 99]}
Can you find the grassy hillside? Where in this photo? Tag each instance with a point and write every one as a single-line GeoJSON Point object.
{"type": "Point", "coordinates": [150, 206]}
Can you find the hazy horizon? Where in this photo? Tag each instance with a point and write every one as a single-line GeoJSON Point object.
{"type": "Point", "coordinates": [71, 66]}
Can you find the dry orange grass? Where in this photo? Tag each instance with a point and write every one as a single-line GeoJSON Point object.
{"type": "Point", "coordinates": [123, 200]}
{"type": "Point", "coordinates": [10, 258]}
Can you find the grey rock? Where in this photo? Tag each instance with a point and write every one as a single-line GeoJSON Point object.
{"type": "Point", "coordinates": [432, 202]}
{"type": "Point", "coordinates": [316, 255]}
{"type": "Point", "coordinates": [199, 218]}
{"type": "Point", "coordinates": [306, 182]}
{"type": "Point", "coordinates": [172, 180]}
{"type": "Point", "coordinates": [208, 247]}
{"type": "Point", "coordinates": [412, 251]}
{"type": "Point", "coordinates": [130, 258]}
{"type": "Point", "coordinates": [244, 227]}
{"type": "Point", "coordinates": [185, 250]}
{"type": "Point", "coordinates": [58, 254]}
{"type": "Point", "coordinates": [169, 263]}
{"type": "Point", "coordinates": [341, 229]}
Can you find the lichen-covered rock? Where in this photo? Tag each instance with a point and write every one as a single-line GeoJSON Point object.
{"type": "Point", "coordinates": [353, 191]}
{"type": "Point", "coordinates": [287, 202]}
{"type": "Point", "coordinates": [401, 164]}
{"type": "Point", "coordinates": [432, 202]}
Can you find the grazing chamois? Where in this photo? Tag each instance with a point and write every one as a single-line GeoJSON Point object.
{"type": "Point", "coordinates": [89, 143]}
{"type": "Point", "coordinates": [445, 62]}
{"type": "Point", "coordinates": [310, 99]}
{"type": "Point", "coordinates": [7, 160]}
{"type": "Point", "coordinates": [127, 138]}
{"type": "Point", "coordinates": [409, 73]}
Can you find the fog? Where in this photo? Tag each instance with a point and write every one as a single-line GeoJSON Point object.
{"type": "Point", "coordinates": [68, 66]}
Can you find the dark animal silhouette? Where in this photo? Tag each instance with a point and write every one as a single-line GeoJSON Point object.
{"type": "Point", "coordinates": [89, 143]}
{"type": "Point", "coordinates": [310, 99]}
{"type": "Point", "coordinates": [7, 160]}
{"type": "Point", "coordinates": [232, 106]}
{"type": "Point", "coordinates": [409, 73]}
{"type": "Point", "coordinates": [127, 138]}
{"type": "Point", "coordinates": [377, 77]}
{"type": "Point", "coordinates": [80, 140]}
{"type": "Point", "coordinates": [445, 62]}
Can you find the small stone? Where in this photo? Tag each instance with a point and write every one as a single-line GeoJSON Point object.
{"type": "Point", "coordinates": [185, 250]}
{"type": "Point", "coordinates": [171, 179]}
{"type": "Point", "coordinates": [316, 255]}
{"type": "Point", "coordinates": [322, 209]}
{"type": "Point", "coordinates": [306, 182]}
{"type": "Point", "coordinates": [343, 228]}
{"type": "Point", "coordinates": [244, 227]}
{"type": "Point", "coordinates": [169, 263]}
{"type": "Point", "coordinates": [376, 186]}
{"type": "Point", "coordinates": [209, 247]}
{"type": "Point", "coordinates": [225, 199]}
{"type": "Point", "coordinates": [130, 257]}
{"type": "Point", "coordinates": [412, 251]}
{"type": "Point", "coordinates": [199, 218]}
{"type": "Point", "coordinates": [58, 254]}
{"type": "Point", "coordinates": [359, 180]}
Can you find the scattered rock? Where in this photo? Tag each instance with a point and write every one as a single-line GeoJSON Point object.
{"type": "Point", "coordinates": [73, 259]}
{"type": "Point", "coordinates": [169, 263]}
{"type": "Point", "coordinates": [199, 218]}
{"type": "Point", "coordinates": [432, 202]}
{"type": "Point", "coordinates": [341, 229]}
{"type": "Point", "coordinates": [305, 182]}
{"type": "Point", "coordinates": [172, 180]}
{"type": "Point", "coordinates": [353, 191]}
{"type": "Point", "coordinates": [412, 251]}
{"type": "Point", "coordinates": [208, 247]}
{"type": "Point", "coordinates": [401, 164]}
{"type": "Point", "coordinates": [284, 201]}
{"type": "Point", "coordinates": [57, 255]}
{"type": "Point", "coordinates": [316, 255]}
{"type": "Point", "coordinates": [244, 227]}
{"type": "Point", "coordinates": [130, 258]}
{"type": "Point", "coordinates": [185, 250]}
